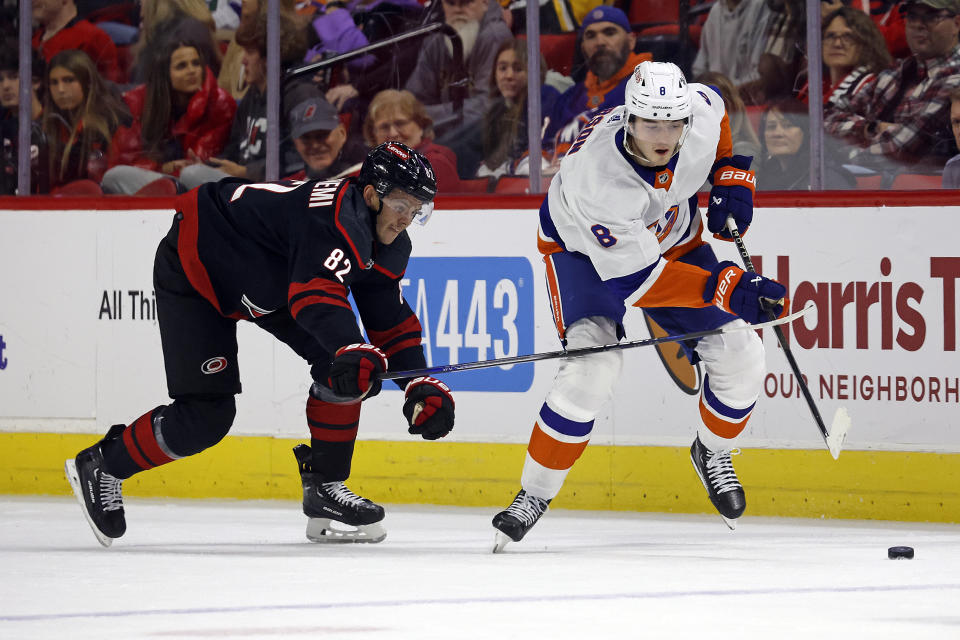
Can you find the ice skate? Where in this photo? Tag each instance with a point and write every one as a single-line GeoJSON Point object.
{"type": "Point", "coordinates": [97, 491]}
{"type": "Point", "coordinates": [720, 480]}
{"type": "Point", "coordinates": [516, 520]}
{"type": "Point", "coordinates": [336, 514]}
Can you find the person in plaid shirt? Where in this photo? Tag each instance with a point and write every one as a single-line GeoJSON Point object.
{"type": "Point", "coordinates": [902, 117]}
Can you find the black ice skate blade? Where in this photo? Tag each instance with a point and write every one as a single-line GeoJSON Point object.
{"type": "Point", "coordinates": [70, 468]}
{"type": "Point", "coordinates": [322, 531]}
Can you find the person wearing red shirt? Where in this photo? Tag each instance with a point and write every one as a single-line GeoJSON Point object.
{"type": "Point", "coordinates": [180, 117]}
{"type": "Point", "coordinates": [61, 29]}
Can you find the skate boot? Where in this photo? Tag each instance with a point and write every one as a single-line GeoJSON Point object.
{"type": "Point", "coordinates": [326, 503]}
{"type": "Point", "coordinates": [720, 480]}
{"type": "Point", "coordinates": [516, 520]}
{"type": "Point", "coordinates": [97, 491]}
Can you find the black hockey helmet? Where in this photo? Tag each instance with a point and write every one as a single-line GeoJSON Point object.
{"type": "Point", "coordinates": [394, 165]}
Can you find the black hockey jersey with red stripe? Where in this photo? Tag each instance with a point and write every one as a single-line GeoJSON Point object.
{"type": "Point", "coordinates": [254, 248]}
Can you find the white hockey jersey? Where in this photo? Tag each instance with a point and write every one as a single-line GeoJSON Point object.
{"type": "Point", "coordinates": [625, 216]}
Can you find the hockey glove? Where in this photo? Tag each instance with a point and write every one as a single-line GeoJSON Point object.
{"type": "Point", "coordinates": [354, 372]}
{"type": "Point", "coordinates": [434, 417]}
{"type": "Point", "coordinates": [731, 195]}
{"type": "Point", "coordinates": [747, 295]}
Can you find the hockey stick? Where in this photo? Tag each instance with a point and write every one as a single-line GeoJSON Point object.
{"type": "Point", "coordinates": [841, 419]}
{"type": "Point", "coordinates": [582, 351]}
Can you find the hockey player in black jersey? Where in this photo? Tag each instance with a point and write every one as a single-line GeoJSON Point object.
{"type": "Point", "coordinates": [284, 256]}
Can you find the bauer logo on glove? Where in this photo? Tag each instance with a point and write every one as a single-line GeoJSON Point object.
{"type": "Point", "coordinates": [732, 195]}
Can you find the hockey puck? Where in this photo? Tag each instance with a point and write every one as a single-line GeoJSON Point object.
{"type": "Point", "coordinates": [900, 553]}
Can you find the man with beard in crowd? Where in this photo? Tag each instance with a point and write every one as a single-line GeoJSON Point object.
{"type": "Point", "coordinates": [607, 46]}
{"type": "Point", "coordinates": [482, 29]}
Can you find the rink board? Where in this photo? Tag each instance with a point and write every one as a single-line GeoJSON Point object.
{"type": "Point", "coordinates": [80, 351]}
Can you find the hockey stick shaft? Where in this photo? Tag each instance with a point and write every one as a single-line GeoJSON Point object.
{"type": "Point", "coordinates": [782, 339]}
{"type": "Point", "coordinates": [573, 353]}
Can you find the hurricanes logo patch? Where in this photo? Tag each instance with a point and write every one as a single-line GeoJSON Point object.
{"type": "Point", "coordinates": [214, 365]}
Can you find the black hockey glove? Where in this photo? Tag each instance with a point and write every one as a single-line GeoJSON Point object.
{"type": "Point", "coordinates": [355, 371]}
{"type": "Point", "coordinates": [732, 195]}
{"type": "Point", "coordinates": [747, 295]}
{"type": "Point", "coordinates": [428, 408]}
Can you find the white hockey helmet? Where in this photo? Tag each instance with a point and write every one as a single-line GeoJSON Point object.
{"type": "Point", "coordinates": [658, 91]}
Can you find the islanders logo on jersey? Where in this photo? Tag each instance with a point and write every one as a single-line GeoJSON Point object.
{"type": "Point", "coordinates": [704, 96]}
{"type": "Point", "coordinates": [662, 227]}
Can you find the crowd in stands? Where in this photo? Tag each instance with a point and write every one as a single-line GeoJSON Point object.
{"type": "Point", "coordinates": [159, 96]}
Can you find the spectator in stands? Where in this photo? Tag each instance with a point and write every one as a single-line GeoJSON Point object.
{"type": "Point", "coordinates": [10, 81]}
{"type": "Point", "coordinates": [886, 15]}
{"type": "Point", "coordinates": [350, 91]}
{"type": "Point", "coordinates": [399, 116]}
{"type": "Point", "coordinates": [246, 151]}
{"type": "Point", "coordinates": [10, 122]}
{"type": "Point", "coordinates": [482, 29]}
{"type": "Point", "coordinates": [785, 151]}
{"type": "Point", "coordinates": [733, 39]}
{"type": "Point", "coordinates": [951, 172]}
{"type": "Point", "coordinates": [60, 29]}
{"type": "Point", "coordinates": [745, 140]}
{"type": "Point", "coordinates": [607, 46]}
{"type": "Point", "coordinates": [232, 76]}
{"type": "Point", "coordinates": [321, 140]}
{"type": "Point", "coordinates": [504, 140]}
{"type": "Point", "coordinates": [180, 117]}
{"type": "Point", "coordinates": [853, 53]}
{"type": "Point", "coordinates": [898, 120]}
{"type": "Point", "coordinates": [80, 118]}
{"type": "Point", "coordinates": [189, 18]}
{"type": "Point", "coordinates": [784, 45]}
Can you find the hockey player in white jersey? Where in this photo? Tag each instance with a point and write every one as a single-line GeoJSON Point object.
{"type": "Point", "coordinates": [620, 228]}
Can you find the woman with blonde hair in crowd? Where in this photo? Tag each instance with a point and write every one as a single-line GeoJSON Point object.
{"type": "Point", "coordinates": [398, 116]}
{"type": "Point", "coordinates": [80, 119]}
{"type": "Point", "coordinates": [180, 117]}
{"type": "Point", "coordinates": [745, 140]}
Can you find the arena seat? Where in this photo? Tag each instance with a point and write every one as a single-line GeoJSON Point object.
{"type": "Point", "coordinates": [874, 182]}
{"type": "Point", "coordinates": [519, 184]}
{"type": "Point", "coordinates": [161, 187]}
{"type": "Point", "coordinates": [78, 188]}
{"type": "Point", "coordinates": [916, 181]}
{"type": "Point", "coordinates": [558, 50]}
{"type": "Point", "coordinates": [476, 185]}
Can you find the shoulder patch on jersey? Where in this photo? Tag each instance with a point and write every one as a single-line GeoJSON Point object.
{"type": "Point", "coordinates": [704, 96]}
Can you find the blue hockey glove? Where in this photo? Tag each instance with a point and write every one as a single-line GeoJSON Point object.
{"type": "Point", "coordinates": [434, 418]}
{"type": "Point", "coordinates": [747, 295]}
{"type": "Point", "coordinates": [732, 195]}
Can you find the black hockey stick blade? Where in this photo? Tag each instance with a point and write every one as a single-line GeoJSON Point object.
{"type": "Point", "coordinates": [573, 353]}
{"type": "Point", "coordinates": [841, 420]}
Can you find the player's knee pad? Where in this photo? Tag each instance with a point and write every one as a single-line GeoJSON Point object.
{"type": "Point", "coordinates": [735, 364]}
{"type": "Point", "coordinates": [194, 423]}
{"type": "Point", "coordinates": [585, 383]}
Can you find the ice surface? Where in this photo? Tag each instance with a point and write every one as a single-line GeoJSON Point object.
{"type": "Point", "coordinates": [218, 569]}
